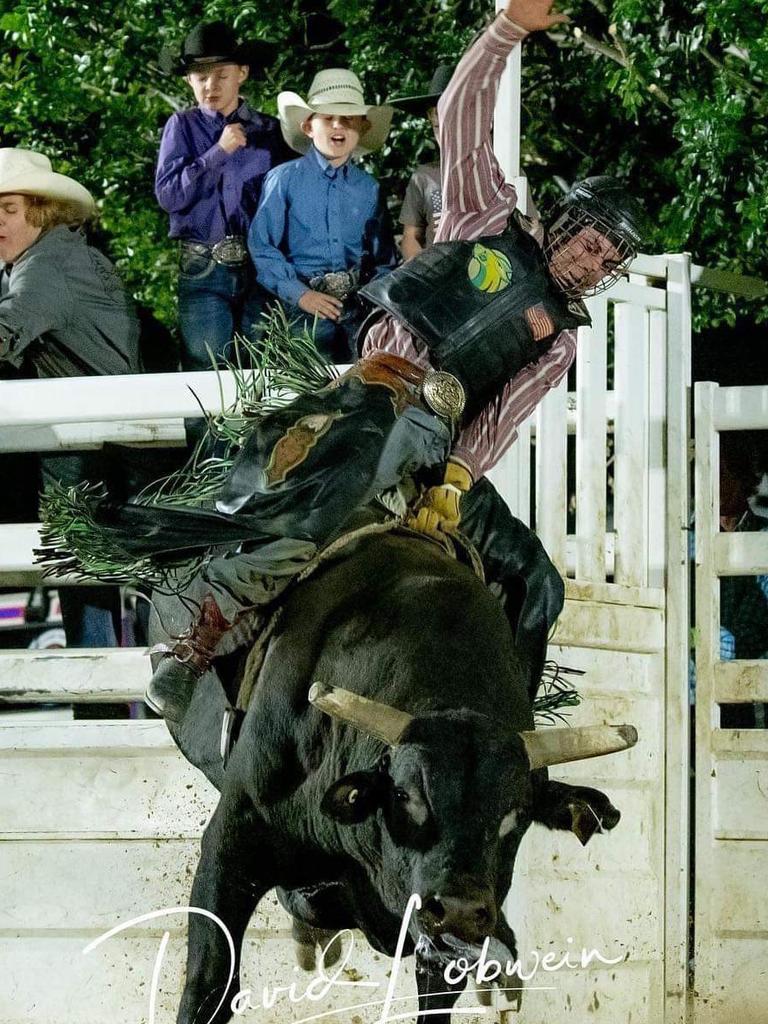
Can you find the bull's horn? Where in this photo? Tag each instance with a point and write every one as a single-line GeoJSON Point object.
{"type": "Point", "coordinates": [380, 720]}
{"type": "Point", "coordinates": [557, 746]}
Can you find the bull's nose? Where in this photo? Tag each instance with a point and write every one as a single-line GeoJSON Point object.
{"type": "Point", "coordinates": [466, 918]}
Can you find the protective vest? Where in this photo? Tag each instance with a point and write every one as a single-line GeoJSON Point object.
{"type": "Point", "coordinates": [485, 308]}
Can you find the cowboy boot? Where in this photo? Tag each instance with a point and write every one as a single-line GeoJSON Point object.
{"type": "Point", "coordinates": [171, 687]}
{"type": "Point", "coordinates": [515, 560]}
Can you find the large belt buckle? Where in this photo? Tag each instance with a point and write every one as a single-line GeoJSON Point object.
{"type": "Point", "coordinates": [444, 394]}
{"type": "Point", "coordinates": [338, 283]}
{"type": "Point", "coordinates": [230, 251]}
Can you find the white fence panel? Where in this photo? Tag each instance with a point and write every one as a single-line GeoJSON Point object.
{"type": "Point", "coordinates": [85, 436]}
{"type": "Point", "coordinates": [657, 447]}
{"type": "Point", "coordinates": [616, 632]}
{"type": "Point", "coordinates": [731, 922]}
{"type": "Point", "coordinates": [570, 429]}
{"type": "Point", "coordinates": [618, 876]}
{"type": "Point", "coordinates": [121, 797]}
{"type": "Point", "coordinates": [158, 396]}
{"type": "Point", "coordinates": [676, 559]}
{"type": "Point", "coordinates": [551, 474]}
{"type": "Point", "coordinates": [630, 510]}
{"type": "Point", "coordinates": [591, 434]}
{"type": "Point", "coordinates": [80, 675]}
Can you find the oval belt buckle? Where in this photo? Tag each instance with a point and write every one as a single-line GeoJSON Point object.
{"type": "Point", "coordinates": [338, 283]}
{"type": "Point", "coordinates": [444, 394]}
{"type": "Point", "coordinates": [230, 251]}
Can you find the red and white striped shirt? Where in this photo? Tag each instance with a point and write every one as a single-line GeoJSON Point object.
{"type": "Point", "coordinates": [478, 201]}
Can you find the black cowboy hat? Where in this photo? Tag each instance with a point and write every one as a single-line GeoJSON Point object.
{"type": "Point", "coordinates": [213, 42]}
{"type": "Point", "coordinates": [419, 105]}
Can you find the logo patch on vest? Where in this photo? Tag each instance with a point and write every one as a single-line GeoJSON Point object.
{"type": "Point", "coordinates": [296, 443]}
{"type": "Point", "coordinates": [488, 270]}
{"type": "Point", "coordinates": [540, 322]}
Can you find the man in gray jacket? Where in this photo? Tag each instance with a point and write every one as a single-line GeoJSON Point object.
{"type": "Point", "coordinates": [63, 313]}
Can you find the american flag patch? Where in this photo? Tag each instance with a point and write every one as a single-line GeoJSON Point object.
{"type": "Point", "coordinates": [540, 322]}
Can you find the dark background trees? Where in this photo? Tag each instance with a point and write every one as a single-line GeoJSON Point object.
{"type": "Point", "coordinates": [671, 96]}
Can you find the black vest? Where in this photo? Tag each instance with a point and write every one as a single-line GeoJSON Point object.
{"type": "Point", "coordinates": [485, 308]}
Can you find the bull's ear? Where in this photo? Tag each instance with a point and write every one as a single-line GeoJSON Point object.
{"type": "Point", "coordinates": [585, 822]}
{"type": "Point", "coordinates": [355, 797]}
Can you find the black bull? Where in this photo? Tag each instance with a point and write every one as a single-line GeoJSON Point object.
{"type": "Point", "coordinates": [349, 820]}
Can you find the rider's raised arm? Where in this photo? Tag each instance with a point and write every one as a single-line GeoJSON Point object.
{"type": "Point", "coordinates": [472, 181]}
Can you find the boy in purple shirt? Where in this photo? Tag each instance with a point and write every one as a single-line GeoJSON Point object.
{"type": "Point", "coordinates": [213, 158]}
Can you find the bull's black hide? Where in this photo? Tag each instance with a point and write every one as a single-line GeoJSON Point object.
{"type": "Point", "coordinates": [347, 828]}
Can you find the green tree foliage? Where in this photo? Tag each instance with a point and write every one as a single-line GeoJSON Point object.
{"type": "Point", "coordinates": [670, 96]}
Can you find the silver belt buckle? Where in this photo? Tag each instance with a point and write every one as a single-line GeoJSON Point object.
{"type": "Point", "coordinates": [338, 283]}
{"type": "Point", "coordinates": [444, 394]}
{"type": "Point", "coordinates": [230, 251]}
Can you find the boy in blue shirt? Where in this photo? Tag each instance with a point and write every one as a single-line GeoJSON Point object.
{"type": "Point", "coordinates": [321, 228]}
{"type": "Point", "coordinates": [212, 162]}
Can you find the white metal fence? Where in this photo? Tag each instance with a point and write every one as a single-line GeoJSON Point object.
{"type": "Point", "coordinates": [616, 407]}
{"type": "Point", "coordinates": [115, 793]}
{"type": "Point", "coordinates": [731, 853]}
{"type": "Point", "coordinates": [98, 820]}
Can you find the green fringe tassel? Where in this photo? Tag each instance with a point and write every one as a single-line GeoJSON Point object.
{"type": "Point", "coordinates": [268, 374]}
{"type": "Point", "coordinates": [555, 693]}
{"type": "Point", "coordinates": [75, 544]}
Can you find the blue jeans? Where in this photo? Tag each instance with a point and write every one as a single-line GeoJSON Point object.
{"type": "Point", "coordinates": [335, 339]}
{"type": "Point", "coordinates": [215, 302]}
{"type": "Point", "coordinates": [91, 614]}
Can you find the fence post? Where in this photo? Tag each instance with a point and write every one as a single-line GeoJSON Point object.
{"type": "Point", "coordinates": [677, 741]}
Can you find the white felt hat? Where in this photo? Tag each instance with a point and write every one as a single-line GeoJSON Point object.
{"type": "Point", "coordinates": [24, 172]}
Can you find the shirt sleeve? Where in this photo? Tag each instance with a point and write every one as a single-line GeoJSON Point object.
{"type": "Point", "coordinates": [471, 177]}
{"type": "Point", "coordinates": [413, 212]}
{"type": "Point", "coordinates": [37, 301]}
{"type": "Point", "coordinates": [379, 239]}
{"type": "Point", "coordinates": [265, 237]}
{"type": "Point", "coordinates": [484, 440]}
{"type": "Point", "coordinates": [182, 177]}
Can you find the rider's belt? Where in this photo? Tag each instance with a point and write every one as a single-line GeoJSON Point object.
{"type": "Point", "coordinates": [338, 283]}
{"type": "Point", "coordinates": [231, 251]}
{"type": "Point", "coordinates": [439, 392]}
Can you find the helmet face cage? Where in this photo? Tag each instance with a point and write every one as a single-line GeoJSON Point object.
{"type": "Point", "coordinates": [565, 231]}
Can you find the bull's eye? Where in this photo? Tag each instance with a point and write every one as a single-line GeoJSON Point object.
{"type": "Point", "coordinates": [401, 795]}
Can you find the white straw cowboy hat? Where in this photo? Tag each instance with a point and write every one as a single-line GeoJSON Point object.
{"type": "Point", "coordinates": [333, 91]}
{"type": "Point", "coordinates": [23, 172]}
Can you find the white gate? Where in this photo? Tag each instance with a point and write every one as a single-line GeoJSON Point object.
{"type": "Point", "coordinates": [99, 820]}
{"type": "Point", "coordinates": [731, 854]}
{"type": "Point", "coordinates": [615, 896]}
